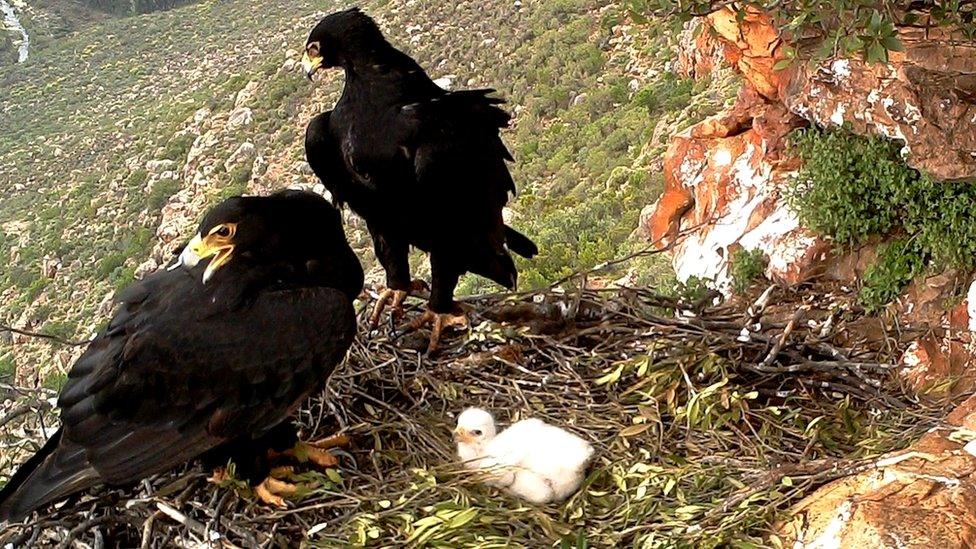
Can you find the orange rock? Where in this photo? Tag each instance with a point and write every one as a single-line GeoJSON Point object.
{"type": "Point", "coordinates": [925, 97]}
{"type": "Point", "coordinates": [722, 183]}
{"type": "Point", "coordinates": [752, 46]}
{"type": "Point", "coordinates": [926, 500]}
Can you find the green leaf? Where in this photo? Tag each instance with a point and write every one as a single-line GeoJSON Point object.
{"type": "Point", "coordinates": [893, 43]}
{"type": "Point", "coordinates": [334, 476]}
{"type": "Point", "coordinates": [874, 24]}
{"type": "Point", "coordinates": [782, 64]}
{"type": "Point", "coordinates": [612, 377]}
{"type": "Point", "coordinates": [462, 518]}
{"type": "Point", "coordinates": [876, 53]}
{"type": "Point", "coordinates": [634, 430]}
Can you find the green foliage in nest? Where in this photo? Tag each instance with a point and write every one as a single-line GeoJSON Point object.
{"type": "Point", "coordinates": [747, 266]}
{"type": "Point", "coordinates": [844, 27]}
{"type": "Point", "coordinates": [852, 188]}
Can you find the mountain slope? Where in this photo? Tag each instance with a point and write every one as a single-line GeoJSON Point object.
{"type": "Point", "coordinates": [116, 137]}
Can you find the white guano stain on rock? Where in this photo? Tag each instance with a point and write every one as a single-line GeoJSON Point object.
{"type": "Point", "coordinates": [705, 254]}
{"type": "Point", "coordinates": [971, 306]}
{"type": "Point", "coordinates": [841, 68]}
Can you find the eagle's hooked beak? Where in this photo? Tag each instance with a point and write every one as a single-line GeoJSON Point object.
{"type": "Point", "coordinates": [311, 64]}
{"type": "Point", "coordinates": [463, 436]}
{"type": "Point", "coordinates": [217, 244]}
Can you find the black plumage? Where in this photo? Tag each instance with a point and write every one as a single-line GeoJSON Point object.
{"type": "Point", "coordinates": [207, 355]}
{"type": "Point", "coordinates": [422, 166]}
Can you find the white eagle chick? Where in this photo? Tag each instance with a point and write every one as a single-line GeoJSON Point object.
{"type": "Point", "coordinates": [531, 459]}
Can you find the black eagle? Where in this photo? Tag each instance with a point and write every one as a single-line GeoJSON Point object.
{"type": "Point", "coordinates": [422, 166]}
{"type": "Point", "coordinates": [214, 353]}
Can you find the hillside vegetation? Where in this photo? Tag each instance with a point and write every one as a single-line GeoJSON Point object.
{"type": "Point", "coordinates": [103, 128]}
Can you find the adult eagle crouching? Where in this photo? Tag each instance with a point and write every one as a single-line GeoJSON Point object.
{"type": "Point", "coordinates": [214, 353]}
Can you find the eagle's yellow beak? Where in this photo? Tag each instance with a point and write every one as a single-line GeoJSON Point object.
{"type": "Point", "coordinates": [217, 244]}
{"type": "Point", "coordinates": [311, 64]}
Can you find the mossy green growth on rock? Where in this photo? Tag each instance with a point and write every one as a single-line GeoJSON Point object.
{"type": "Point", "coordinates": [747, 266]}
{"type": "Point", "coordinates": [851, 188]}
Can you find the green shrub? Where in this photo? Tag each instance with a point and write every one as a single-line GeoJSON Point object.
{"type": "Point", "coordinates": [240, 175]}
{"type": "Point", "coordinates": [746, 266]}
{"type": "Point", "coordinates": [108, 264]}
{"type": "Point", "coordinates": [54, 381]}
{"type": "Point", "coordinates": [942, 216]}
{"type": "Point", "coordinates": [61, 329]}
{"type": "Point", "coordinates": [7, 367]}
{"type": "Point", "coordinates": [670, 93]}
{"type": "Point", "coordinates": [177, 147]}
{"type": "Point", "coordinates": [899, 261]}
{"type": "Point", "coordinates": [137, 178]}
{"type": "Point", "coordinates": [851, 188]}
{"type": "Point", "coordinates": [161, 191]}
{"type": "Point", "coordinates": [692, 290]}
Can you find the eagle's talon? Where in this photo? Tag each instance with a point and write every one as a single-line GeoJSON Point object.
{"type": "Point", "coordinates": [271, 489]}
{"type": "Point", "coordinates": [218, 476]}
{"type": "Point", "coordinates": [395, 299]}
{"type": "Point", "coordinates": [438, 322]}
{"type": "Point", "coordinates": [333, 441]}
{"type": "Point", "coordinates": [316, 452]}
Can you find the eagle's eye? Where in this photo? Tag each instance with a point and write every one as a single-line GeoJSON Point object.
{"type": "Point", "coordinates": [476, 432]}
{"type": "Point", "coordinates": [313, 49]}
{"type": "Point", "coordinates": [223, 231]}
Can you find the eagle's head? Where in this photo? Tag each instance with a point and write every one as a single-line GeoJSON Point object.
{"type": "Point", "coordinates": [289, 235]}
{"type": "Point", "coordinates": [339, 38]}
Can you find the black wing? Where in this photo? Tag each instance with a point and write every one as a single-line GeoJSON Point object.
{"type": "Point", "coordinates": [455, 147]}
{"type": "Point", "coordinates": [173, 376]}
{"type": "Point", "coordinates": [324, 155]}
{"type": "Point", "coordinates": [460, 162]}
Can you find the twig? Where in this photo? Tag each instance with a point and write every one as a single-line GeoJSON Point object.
{"type": "Point", "coordinates": [54, 338]}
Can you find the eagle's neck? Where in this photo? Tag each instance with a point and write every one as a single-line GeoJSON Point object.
{"type": "Point", "coordinates": [390, 74]}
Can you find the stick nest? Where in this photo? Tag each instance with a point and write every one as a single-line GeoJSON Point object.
{"type": "Point", "coordinates": [709, 421]}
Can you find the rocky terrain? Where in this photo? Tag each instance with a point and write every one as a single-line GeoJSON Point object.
{"type": "Point", "coordinates": [727, 186]}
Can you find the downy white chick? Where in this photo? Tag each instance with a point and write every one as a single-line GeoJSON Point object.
{"type": "Point", "coordinates": [531, 459]}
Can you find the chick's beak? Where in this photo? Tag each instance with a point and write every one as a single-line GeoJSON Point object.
{"type": "Point", "coordinates": [200, 248]}
{"type": "Point", "coordinates": [311, 64]}
{"type": "Point", "coordinates": [463, 436]}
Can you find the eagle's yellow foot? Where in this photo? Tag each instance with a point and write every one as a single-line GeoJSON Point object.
{"type": "Point", "coordinates": [317, 452]}
{"type": "Point", "coordinates": [219, 476]}
{"type": "Point", "coordinates": [396, 299]}
{"type": "Point", "coordinates": [438, 322]}
{"type": "Point", "coordinates": [272, 488]}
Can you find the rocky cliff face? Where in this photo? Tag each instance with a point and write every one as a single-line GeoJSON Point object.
{"type": "Point", "coordinates": [724, 182]}
{"type": "Point", "coordinates": [724, 176]}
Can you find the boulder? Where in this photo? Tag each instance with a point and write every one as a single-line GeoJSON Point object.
{"type": "Point", "coordinates": [724, 177]}
{"type": "Point", "coordinates": [922, 497]}
{"type": "Point", "coordinates": [723, 180]}
{"type": "Point", "coordinates": [924, 97]}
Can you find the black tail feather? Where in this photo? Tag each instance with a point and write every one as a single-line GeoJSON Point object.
{"type": "Point", "coordinates": [56, 471]}
{"type": "Point", "coordinates": [520, 244]}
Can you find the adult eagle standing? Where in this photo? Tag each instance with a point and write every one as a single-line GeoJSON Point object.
{"type": "Point", "coordinates": [422, 166]}
{"type": "Point", "coordinates": [213, 354]}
